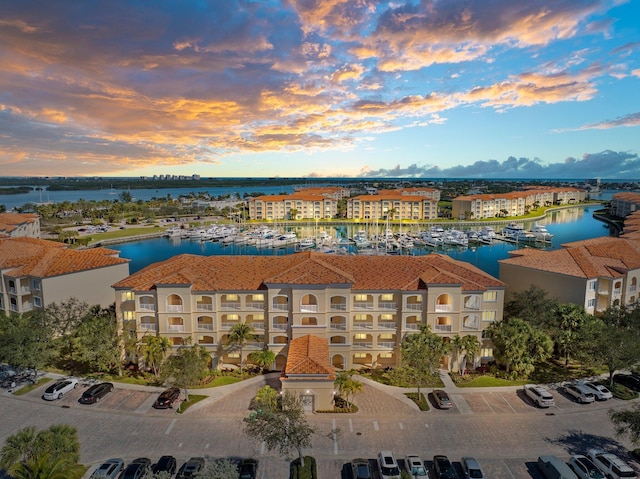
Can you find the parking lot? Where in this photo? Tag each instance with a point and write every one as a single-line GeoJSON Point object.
{"type": "Point", "coordinates": [500, 427]}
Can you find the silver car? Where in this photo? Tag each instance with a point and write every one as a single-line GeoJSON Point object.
{"type": "Point", "coordinates": [599, 391]}
{"type": "Point", "coordinates": [471, 468]}
{"type": "Point", "coordinates": [59, 389]}
{"type": "Point", "coordinates": [109, 469]}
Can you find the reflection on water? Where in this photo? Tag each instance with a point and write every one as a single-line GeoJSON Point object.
{"type": "Point", "coordinates": [566, 225]}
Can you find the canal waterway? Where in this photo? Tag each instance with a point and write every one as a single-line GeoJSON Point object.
{"type": "Point", "coordinates": [566, 225]}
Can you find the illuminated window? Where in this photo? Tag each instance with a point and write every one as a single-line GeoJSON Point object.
{"type": "Point", "coordinates": [490, 296]}
{"type": "Point", "coordinates": [386, 355]}
{"type": "Point", "coordinates": [360, 317]}
{"type": "Point", "coordinates": [361, 297]}
{"type": "Point", "coordinates": [386, 297]}
{"type": "Point", "coordinates": [360, 355]}
{"type": "Point", "coordinates": [232, 297]}
{"type": "Point", "coordinates": [360, 336]}
{"type": "Point", "coordinates": [386, 336]}
{"type": "Point", "coordinates": [386, 317]}
{"type": "Point", "coordinates": [127, 315]}
{"type": "Point", "coordinates": [127, 296]}
{"type": "Point", "coordinates": [488, 315]}
{"type": "Point", "coordinates": [258, 297]}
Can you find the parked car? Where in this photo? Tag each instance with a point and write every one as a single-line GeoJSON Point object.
{"type": "Point", "coordinates": [580, 393]}
{"type": "Point", "coordinates": [611, 465]}
{"type": "Point", "coordinates": [584, 468]}
{"type": "Point", "coordinates": [443, 468]}
{"type": "Point", "coordinates": [540, 395]}
{"type": "Point", "coordinates": [167, 398]}
{"type": "Point", "coordinates": [442, 399]}
{"type": "Point", "coordinates": [190, 468]}
{"type": "Point", "coordinates": [95, 393]}
{"type": "Point", "coordinates": [415, 466]}
{"type": "Point", "coordinates": [165, 464]}
{"type": "Point", "coordinates": [552, 467]}
{"type": "Point", "coordinates": [360, 469]}
{"type": "Point", "coordinates": [109, 469]}
{"type": "Point", "coordinates": [387, 465]}
{"type": "Point", "coordinates": [248, 469]}
{"type": "Point", "coordinates": [629, 380]}
{"type": "Point", "coordinates": [600, 392]}
{"type": "Point", "coordinates": [59, 389]}
{"type": "Point", "coordinates": [136, 469]}
{"type": "Point", "coordinates": [471, 468]}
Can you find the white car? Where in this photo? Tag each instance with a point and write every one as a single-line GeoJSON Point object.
{"type": "Point", "coordinates": [584, 468]}
{"type": "Point", "coordinates": [388, 466]}
{"type": "Point", "coordinates": [109, 469]}
{"type": "Point", "coordinates": [599, 391]}
{"type": "Point", "coordinates": [611, 465]}
{"type": "Point", "coordinates": [580, 393]}
{"type": "Point", "coordinates": [59, 389]}
{"type": "Point", "coordinates": [539, 395]}
{"type": "Point", "coordinates": [415, 466]}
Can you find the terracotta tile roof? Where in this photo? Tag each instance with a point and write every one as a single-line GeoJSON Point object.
{"type": "Point", "coordinates": [10, 221]}
{"type": "Point", "coordinates": [309, 355]}
{"type": "Point", "coordinates": [605, 257]}
{"type": "Point", "coordinates": [251, 273]}
{"type": "Point", "coordinates": [42, 259]}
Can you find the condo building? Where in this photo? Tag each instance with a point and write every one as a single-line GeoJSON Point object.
{"type": "Point", "coordinates": [35, 273]}
{"type": "Point", "coordinates": [362, 306]}
{"type": "Point", "coordinates": [14, 225]}
{"type": "Point", "coordinates": [395, 205]}
{"type": "Point", "coordinates": [597, 273]}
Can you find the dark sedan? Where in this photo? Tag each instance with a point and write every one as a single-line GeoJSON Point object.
{"type": "Point", "coordinates": [95, 393]}
{"type": "Point", "coordinates": [167, 398]}
{"type": "Point", "coordinates": [248, 469]}
{"type": "Point", "coordinates": [137, 469]}
{"type": "Point", "coordinates": [632, 381]}
{"type": "Point", "coordinates": [165, 464]}
{"type": "Point", "coordinates": [443, 468]}
{"type": "Point", "coordinates": [190, 468]}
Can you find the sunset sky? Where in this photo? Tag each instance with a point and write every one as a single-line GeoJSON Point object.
{"type": "Point", "coordinates": [433, 88]}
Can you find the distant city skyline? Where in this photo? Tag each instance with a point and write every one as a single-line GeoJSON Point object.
{"type": "Point", "coordinates": [321, 88]}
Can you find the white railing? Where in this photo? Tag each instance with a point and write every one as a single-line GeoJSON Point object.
{"type": "Point", "coordinates": [362, 305]}
{"type": "Point", "coordinates": [338, 306]}
{"type": "Point", "coordinates": [444, 307]}
{"type": "Point", "coordinates": [362, 325]}
{"type": "Point", "coordinates": [148, 327]}
{"type": "Point", "coordinates": [386, 344]}
{"type": "Point", "coordinates": [174, 308]}
{"type": "Point", "coordinates": [281, 306]}
{"type": "Point", "coordinates": [281, 326]}
{"type": "Point", "coordinates": [204, 307]}
{"type": "Point", "coordinates": [176, 328]}
{"type": "Point", "coordinates": [230, 305]}
{"type": "Point", "coordinates": [338, 326]}
{"type": "Point", "coordinates": [309, 308]}
{"type": "Point", "coordinates": [147, 307]}
{"type": "Point", "coordinates": [258, 325]}
{"type": "Point", "coordinates": [471, 325]}
{"type": "Point", "coordinates": [443, 327]}
{"type": "Point", "coordinates": [25, 290]}
{"type": "Point", "coordinates": [387, 305]}
{"type": "Point", "coordinates": [387, 324]}
{"type": "Point", "coordinates": [363, 344]}
{"type": "Point", "coordinates": [411, 326]}
{"type": "Point", "coordinates": [205, 327]}
{"type": "Point", "coordinates": [255, 305]}
{"type": "Point", "coordinates": [414, 306]}
{"type": "Point", "coordinates": [228, 325]}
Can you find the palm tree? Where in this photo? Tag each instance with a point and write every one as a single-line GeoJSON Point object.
{"type": "Point", "coordinates": [60, 440]}
{"type": "Point", "coordinates": [456, 346]}
{"type": "Point", "coordinates": [154, 350]}
{"type": "Point", "coordinates": [49, 466]}
{"type": "Point", "coordinates": [263, 359]}
{"type": "Point", "coordinates": [19, 447]}
{"type": "Point", "coordinates": [239, 335]}
{"type": "Point", "coordinates": [471, 346]}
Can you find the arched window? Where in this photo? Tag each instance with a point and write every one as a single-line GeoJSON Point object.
{"type": "Point", "coordinates": [309, 303]}
{"type": "Point", "coordinates": [174, 304]}
{"type": "Point", "coordinates": [444, 302]}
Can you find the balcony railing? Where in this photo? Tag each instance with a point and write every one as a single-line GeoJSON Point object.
{"type": "Point", "coordinates": [257, 325]}
{"type": "Point", "coordinates": [205, 327]}
{"type": "Point", "coordinates": [176, 328]}
{"type": "Point", "coordinates": [443, 327]}
{"type": "Point", "coordinates": [386, 305]}
{"type": "Point", "coordinates": [230, 305]}
{"type": "Point", "coordinates": [281, 306]}
{"type": "Point", "coordinates": [632, 288]}
{"type": "Point", "coordinates": [412, 326]}
{"type": "Point", "coordinates": [338, 326]}
{"type": "Point", "coordinates": [148, 327]}
{"type": "Point", "coordinates": [256, 344]}
{"type": "Point", "coordinates": [14, 307]}
{"type": "Point", "coordinates": [363, 325]}
{"type": "Point", "coordinates": [444, 307]}
{"type": "Point", "coordinates": [25, 290]}
{"type": "Point", "coordinates": [338, 307]}
{"type": "Point", "coordinates": [175, 308]}
{"type": "Point", "coordinates": [387, 324]}
{"type": "Point", "coordinates": [309, 308]}
{"type": "Point", "coordinates": [281, 326]}
{"type": "Point", "coordinates": [147, 307]}
{"type": "Point", "coordinates": [204, 306]}
{"type": "Point", "coordinates": [228, 324]}
{"type": "Point", "coordinates": [386, 344]}
{"type": "Point", "coordinates": [471, 325]}
{"type": "Point", "coordinates": [363, 344]}
{"type": "Point", "coordinates": [414, 306]}
{"type": "Point", "coordinates": [362, 305]}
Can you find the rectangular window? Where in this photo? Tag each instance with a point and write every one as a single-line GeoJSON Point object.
{"type": "Point", "coordinates": [488, 315]}
{"type": "Point", "coordinates": [592, 285]}
{"type": "Point", "coordinates": [360, 355]}
{"type": "Point", "coordinates": [127, 315]}
{"type": "Point", "coordinates": [233, 355]}
{"type": "Point", "coordinates": [360, 317]}
{"type": "Point", "coordinates": [127, 296]}
{"type": "Point", "coordinates": [231, 317]}
{"type": "Point", "coordinates": [361, 297]}
{"type": "Point", "coordinates": [386, 336]}
{"type": "Point", "coordinates": [37, 302]}
{"type": "Point", "coordinates": [591, 303]}
{"type": "Point", "coordinates": [36, 285]}
{"type": "Point", "coordinates": [258, 297]}
{"type": "Point", "coordinates": [360, 336]}
{"type": "Point", "coordinates": [386, 355]}
{"type": "Point", "coordinates": [386, 297]}
{"type": "Point", "coordinates": [490, 296]}
{"type": "Point", "coordinates": [232, 297]}
{"type": "Point", "coordinates": [386, 317]}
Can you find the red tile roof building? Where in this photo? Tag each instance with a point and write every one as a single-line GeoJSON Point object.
{"type": "Point", "coordinates": [362, 305]}
{"type": "Point", "coordinates": [13, 225]}
{"type": "Point", "coordinates": [35, 273]}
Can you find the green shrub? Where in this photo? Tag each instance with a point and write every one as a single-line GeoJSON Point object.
{"type": "Point", "coordinates": [308, 471]}
{"type": "Point", "coordinates": [422, 403]}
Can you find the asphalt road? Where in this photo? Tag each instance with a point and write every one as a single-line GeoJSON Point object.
{"type": "Point", "coordinates": [499, 427]}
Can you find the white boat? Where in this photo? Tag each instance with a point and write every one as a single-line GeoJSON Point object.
{"type": "Point", "coordinates": [516, 232]}
{"type": "Point", "coordinates": [541, 233]}
{"type": "Point", "coordinates": [172, 232]}
{"type": "Point", "coordinates": [487, 235]}
{"type": "Point", "coordinates": [306, 243]}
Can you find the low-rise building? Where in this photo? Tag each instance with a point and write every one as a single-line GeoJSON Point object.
{"type": "Point", "coordinates": [35, 273]}
{"type": "Point", "coordinates": [363, 306]}
{"type": "Point", "coordinates": [624, 204]}
{"type": "Point", "coordinates": [299, 205]}
{"type": "Point", "coordinates": [14, 225]}
{"type": "Point", "coordinates": [596, 273]}
{"type": "Point", "coordinates": [394, 205]}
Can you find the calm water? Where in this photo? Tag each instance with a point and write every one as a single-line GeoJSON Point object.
{"type": "Point", "coordinates": [566, 225]}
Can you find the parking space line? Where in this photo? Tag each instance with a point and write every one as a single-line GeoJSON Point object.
{"type": "Point", "coordinates": [375, 425]}
{"type": "Point", "coordinates": [487, 403]}
{"type": "Point", "coordinates": [262, 447]}
{"type": "Point", "coordinates": [401, 425]}
{"type": "Point", "coordinates": [350, 425]}
{"type": "Point", "coordinates": [508, 470]}
{"type": "Point", "coordinates": [427, 426]}
{"type": "Point", "coordinates": [335, 437]}
{"type": "Point", "coordinates": [170, 427]}
{"type": "Point", "coordinates": [508, 404]}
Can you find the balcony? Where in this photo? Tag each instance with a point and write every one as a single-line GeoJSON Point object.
{"type": "Point", "coordinates": [471, 326]}
{"type": "Point", "coordinates": [258, 325]}
{"type": "Point", "coordinates": [445, 328]}
{"type": "Point", "coordinates": [412, 326]}
{"type": "Point", "coordinates": [387, 324]}
{"type": "Point", "coordinates": [363, 325]}
{"type": "Point", "coordinates": [25, 290]}
{"type": "Point", "coordinates": [228, 324]}
{"type": "Point", "coordinates": [338, 326]}
{"type": "Point", "coordinates": [444, 308]}
{"type": "Point", "coordinates": [309, 308]}
{"type": "Point", "coordinates": [386, 344]}
{"type": "Point", "coordinates": [150, 327]}
{"type": "Point", "coordinates": [338, 307]}
{"type": "Point", "coordinates": [146, 307]}
{"type": "Point", "coordinates": [176, 328]}
{"type": "Point", "coordinates": [362, 344]}
{"type": "Point", "coordinates": [205, 327]}
{"type": "Point", "coordinates": [175, 308]}
{"type": "Point", "coordinates": [414, 307]}
{"type": "Point", "coordinates": [387, 305]}
{"type": "Point", "coordinates": [230, 305]}
{"type": "Point", "coordinates": [204, 307]}
{"type": "Point", "coordinates": [362, 305]}
{"type": "Point", "coordinates": [280, 306]}
{"type": "Point", "coordinates": [280, 326]}
{"type": "Point", "coordinates": [255, 305]}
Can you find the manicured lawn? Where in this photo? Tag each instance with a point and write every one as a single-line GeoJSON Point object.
{"type": "Point", "coordinates": [118, 233]}
{"type": "Point", "coordinates": [220, 381]}
{"type": "Point", "coordinates": [193, 399]}
{"type": "Point", "coordinates": [553, 372]}
{"type": "Point", "coordinates": [488, 382]}
{"type": "Point", "coordinates": [31, 387]}
{"type": "Point", "coordinates": [422, 403]}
